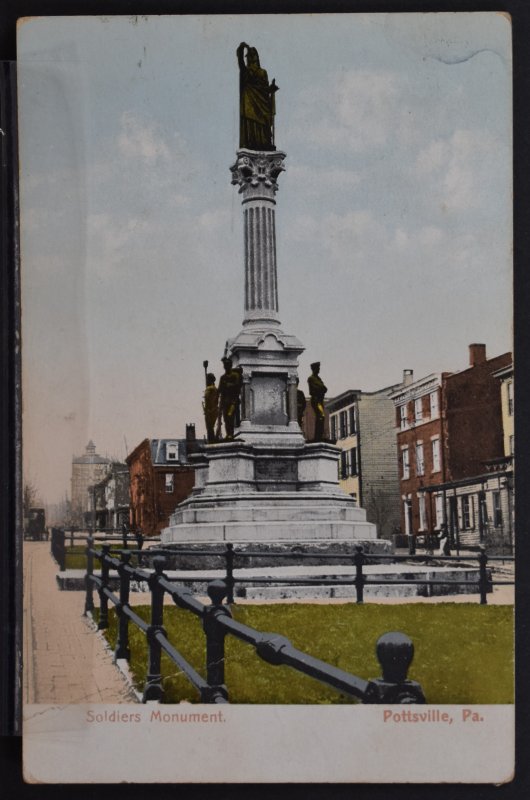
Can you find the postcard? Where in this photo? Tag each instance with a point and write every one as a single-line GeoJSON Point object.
{"type": "Point", "coordinates": [268, 440]}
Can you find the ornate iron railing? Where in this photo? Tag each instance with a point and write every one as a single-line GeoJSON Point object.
{"type": "Point", "coordinates": [394, 650]}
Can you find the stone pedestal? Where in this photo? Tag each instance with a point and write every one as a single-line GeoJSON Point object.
{"type": "Point", "coordinates": [268, 485]}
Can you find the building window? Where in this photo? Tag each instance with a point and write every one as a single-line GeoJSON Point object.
{"type": "Point", "coordinates": [439, 509]}
{"type": "Point", "coordinates": [418, 410]}
{"type": "Point", "coordinates": [351, 413]}
{"type": "Point", "coordinates": [435, 446]}
{"type": "Point", "coordinates": [403, 417]}
{"type": "Point", "coordinates": [497, 510]}
{"type": "Point", "coordinates": [466, 511]}
{"type": "Point", "coordinates": [512, 445]}
{"type": "Point", "coordinates": [170, 483]}
{"type": "Point", "coordinates": [423, 519]}
{"type": "Point", "coordinates": [433, 402]}
{"type": "Point", "coordinates": [420, 461]}
{"type": "Point", "coordinates": [406, 463]}
{"type": "Point", "coordinates": [172, 451]}
{"type": "Point", "coordinates": [334, 427]}
{"type": "Point", "coordinates": [509, 389]}
{"type": "Point", "coordinates": [348, 463]}
{"type": "Point", "coordinates": [343, 422]}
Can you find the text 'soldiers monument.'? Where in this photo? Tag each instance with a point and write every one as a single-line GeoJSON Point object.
{"type": "Point", "coordinates": [264, 483]}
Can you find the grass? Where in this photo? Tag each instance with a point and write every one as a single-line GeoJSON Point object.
{"type": "Point", "coordinates": [76, 558]}
{"type": "Point", "coordinates": [463, 652]}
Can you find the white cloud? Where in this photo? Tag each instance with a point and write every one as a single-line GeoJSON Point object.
{"type": "Point", "coordinates": [140, 139]}
{"type": "Point", "coordinates": [314, 179]}
{"type": "Point", "coordinates": [351, 110]}
{"type": "Point", "coordinates": [462, 169]}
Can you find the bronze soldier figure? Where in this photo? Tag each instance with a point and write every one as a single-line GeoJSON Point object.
{"type": "Point", "coordinates": [300, 405]}
{"type": "Point", "coordinates": [229, 386]}
{"type": "Point", "coordinates": [210, 407]}
{"type": "Point", "coordinates": [317, 392]}
{"type": "Point", "coordinates": [256, 102]}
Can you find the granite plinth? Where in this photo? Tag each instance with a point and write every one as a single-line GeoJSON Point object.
{"type": "Point", "coordinates": [255, 493]}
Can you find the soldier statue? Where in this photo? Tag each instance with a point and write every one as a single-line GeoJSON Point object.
{"type": "Point", "coordinates": [256, 102]}
{"type": "Point", "coordinates": [300, 405]}
{"type": "Point", "coordinates": [229, 388]}
{"type": "Point", "coordinates": [317, 392]}
{"type": "Point", "coordinates": [210, 407]}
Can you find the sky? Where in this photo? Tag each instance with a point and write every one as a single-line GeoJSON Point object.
{"type": "Point", "coordinates": [393, 218]}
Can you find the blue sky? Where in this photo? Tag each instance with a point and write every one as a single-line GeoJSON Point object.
{"type": "Point", "coordinates": [393, 217]}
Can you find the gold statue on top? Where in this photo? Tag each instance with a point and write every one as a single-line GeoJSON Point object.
{"type": "Point", "coordinates": [256, 102]}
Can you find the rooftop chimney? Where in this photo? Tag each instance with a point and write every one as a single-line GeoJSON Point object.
{"type": "Point", "coordinates": [190, 432]}
{"type": "Point", "coordinates": [408, 377]}
{"type": "Point", "coordinates": [477, 354]}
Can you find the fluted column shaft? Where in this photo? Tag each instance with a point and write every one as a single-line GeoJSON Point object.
{"type": "Point", "coordinates": [256, 175]}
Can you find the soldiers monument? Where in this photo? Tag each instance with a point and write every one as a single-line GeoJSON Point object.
{"type": "Point", "coordinates": [265, 484]}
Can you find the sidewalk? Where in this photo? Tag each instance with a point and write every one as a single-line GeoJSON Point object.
{"type": "Point", "coordinates": [65, 661]}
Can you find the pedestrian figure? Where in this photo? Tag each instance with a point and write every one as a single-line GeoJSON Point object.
{"type": "Point", "coordinates": [445, 548]}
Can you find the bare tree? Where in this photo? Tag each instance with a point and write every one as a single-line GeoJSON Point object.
{"type": "Point", "coordinates": [29, 497]}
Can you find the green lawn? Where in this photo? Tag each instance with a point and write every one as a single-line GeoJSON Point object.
{"type": "Point", "coordinates": [463, 652]}
{"type": "Point", "coordinates": [76, 558]}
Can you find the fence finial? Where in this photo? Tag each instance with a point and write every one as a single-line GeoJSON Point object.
{"type": "Point", "coordinates": [395, 652]}
{"type": "Point", "coordinates": [217, 591]}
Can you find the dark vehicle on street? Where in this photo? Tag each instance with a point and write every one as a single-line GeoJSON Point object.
{"type": "Point", "coordinates": [35, 525]}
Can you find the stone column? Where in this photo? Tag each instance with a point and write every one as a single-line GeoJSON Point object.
{"type": "Point", "coordinates": [256, 175]}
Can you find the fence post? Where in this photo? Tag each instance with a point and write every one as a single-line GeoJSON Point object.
{"type": "Point", "coordinates": [58, 548]}
{"type": "Point", "coordinates": [122, 645]}
{"type": "Point", "coordinates": [359, 560]}
{"type": "Point", "coordinates": [483, 582]}
{"type": "Point", "coordinates": [89, 586]}
{"type": "Point", "coordinates": [229, 556]}
{"type": "Point", "coordinates": [140, 544]}
{"type": "Point", "coordinates": [153, 689]}
{"type": "Point", "coordinates": [215, 644]}
{"type": "Point", "coordinates": [395, 652]}
{"type": "Point", "coordinates": [103, 599]}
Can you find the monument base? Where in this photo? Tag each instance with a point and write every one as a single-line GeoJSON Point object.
{"type": "Point", "coordinates": [251, 493]}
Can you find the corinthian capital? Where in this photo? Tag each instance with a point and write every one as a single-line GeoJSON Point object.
{"type": "Point", "coordinates": [254, 171]}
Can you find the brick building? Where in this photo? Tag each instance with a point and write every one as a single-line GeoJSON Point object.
{"type": "Point", "coordinates": [449, 427]}
{"type": "Point", "coordinates": [160, 478]}
{"type": "Point", "coordinates": [362, 425]}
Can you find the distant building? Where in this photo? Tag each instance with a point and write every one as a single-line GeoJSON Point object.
{"type": "Point", "coordinates": [449, 432]}
{"type": "Point", "coordinates": [160, 478]}
{"type": "Point", "coordinates": [111, 497]}
{"type": "Point", "coordinates": [87, 470]}
{"type": "Point", "coordinates": [362, 425]}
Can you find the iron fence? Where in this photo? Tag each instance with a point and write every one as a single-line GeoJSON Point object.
{"type": "Point", "coordinates": [233, 558]}
{"type": "Point", "coordinates": [394, 650]}
{"type": "Point", "coordinates": [64, 538]}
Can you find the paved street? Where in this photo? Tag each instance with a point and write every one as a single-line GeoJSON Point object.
{"type": "Point", "coordinates": [65, 661]}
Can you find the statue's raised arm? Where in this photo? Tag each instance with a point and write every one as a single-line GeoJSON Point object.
{"type": "Point", "coordinates": [256, 101]}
